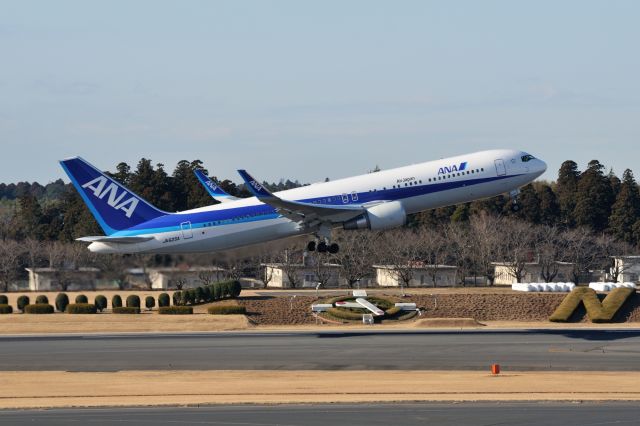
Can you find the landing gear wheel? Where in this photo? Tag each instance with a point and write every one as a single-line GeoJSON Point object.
{"type": "Point", "coordinates": [322, 247]}
{"type": "Point", "coordinates": [334, 248]}
{"type": "Point", "coordinates": [515, 207]}
{"type": "Point", "coordinates": [311, 246]}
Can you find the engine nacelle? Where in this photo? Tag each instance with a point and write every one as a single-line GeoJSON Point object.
{"type": "Point", "coordinates": [378, 218]}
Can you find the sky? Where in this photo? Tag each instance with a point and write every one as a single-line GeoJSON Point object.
{"type": "Point", "coordinates": [308, 90]}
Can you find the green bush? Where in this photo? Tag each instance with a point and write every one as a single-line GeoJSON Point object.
{"type": "Point", "coordinates": [116, 301]}
{"type": "Point", "coordinates": [206, 291]}
{"type": "Point", "coordinates": [38, 309]}
{"type": "Point", "coordinates": [81, 298]}
{"type": "Point", "coordinates": [217, 292]}
{"type": "Point", "coordinates": [126, 310]}
{"type": "Point", "coordinates": [22, 302]}
{"type": "Point", "coordinates": [42, 300]}
{"type": "Point", "coordinates": [82, 308]}
{"type": "Point", "coordinates": [133, 301]}
{"type": "Point", "coordinates": [62, 300]}
{"type": "Point", "coordinates": [177, 298]}
{"type": "Point", "coordinates": [4, 300]}
{"type": "Point", "coordinates": [5, 309]}
{"type": "Point", "coordinates": [235, 289]}
{"type": "Point", "coordinates": [175, 310]}
{"type": "Point", "coordinates": [596, 310]}
{"type": "Point", "coordinates": [149, 302]}
{"type": "Point", "coordinates": [198, 295]}
{"type": "Point", "coordinates": [100, 302]}
{"type": "Point", "coordinates": [164, 300]}
{"type": "Point", "coordinates": [346, 314]}
{"type": "Point", "coordinates": [227, 310]}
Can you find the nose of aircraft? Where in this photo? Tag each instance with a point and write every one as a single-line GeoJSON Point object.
{"type": "Point", "coordinates": [540, 167]}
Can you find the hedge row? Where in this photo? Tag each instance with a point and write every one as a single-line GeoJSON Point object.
{"type": "Point", "coordinates": [38, 309]}
{"type": "Point", "coordinates": [207, 294]}
{"type": "Point", "coordinates": [227, 310]}
{"type": "Point", "coordinates": [175, 310]}
{"type": "Point", "coordinates": [82, 308]}
{"type": "Point", "coordinates": [5, 309]}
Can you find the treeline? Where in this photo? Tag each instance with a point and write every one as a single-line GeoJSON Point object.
{"type": "Point", "coordinates": [592, 198]}
{"type": "Point", "coordinates": [56, 211]}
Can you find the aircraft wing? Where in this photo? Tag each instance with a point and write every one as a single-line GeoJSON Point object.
{"type": "Point", "coordinates": [121, 240]}
{"type": "Point", "coordinates": [213, 189]}
{"type": "Point", "coordinates": [307, 213]}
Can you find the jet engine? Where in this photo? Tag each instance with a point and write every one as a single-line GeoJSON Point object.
{"type": "Point", "coordinates": [378, 218]}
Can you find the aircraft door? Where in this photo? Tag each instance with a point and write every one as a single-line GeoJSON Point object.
{"type": "Point", "coordinates": [500, 167]}
{"type": "Point", "coordinates": [187, 232]}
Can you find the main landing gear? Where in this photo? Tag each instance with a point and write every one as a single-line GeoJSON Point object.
{"type": "Point", "coordinates": [323, 247]}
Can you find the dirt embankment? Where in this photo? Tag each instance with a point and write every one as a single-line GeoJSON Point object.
{"type": "Point", "coordinates": [501, 306]}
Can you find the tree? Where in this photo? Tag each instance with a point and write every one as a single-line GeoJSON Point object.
{"type": "Point", "coordinates": [580, 251]}
{"type": "Point", "coordinates": [290, 261]}
{"type": "Point", "coordinates": [529, 204]}
{"type": "Point", "coordinates": [549, 208]}
{"type": "Point", "coordinates": [10, 253]}
{"type": "Point", "coordinates": [518, 245]}
{"type": "Point", "coordinates": [485, 235]}
{"type": "Point", "coordinates": [593, 198]}
{"type": "Point", "coordinates": [566, 187]}
{"type": "Point", "coordinates": [358, 252]}
{"type": "Point", "coordinates": [401, 248]}
{"type": "Point", "coordinates": [549, 247]}
{"type": "Point", "coordinates": [433, 251]}
{"type": "Point", "coordinates": [626, 209]}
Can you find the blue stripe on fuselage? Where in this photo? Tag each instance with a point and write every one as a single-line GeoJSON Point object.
{"type": "Point", "coordinates": [171, 222]}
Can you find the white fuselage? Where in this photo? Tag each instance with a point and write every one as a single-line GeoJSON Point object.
{"type": "Point", "coordinates": [418, 187]}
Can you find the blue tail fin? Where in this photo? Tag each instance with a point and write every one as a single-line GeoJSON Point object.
{"type": "Point", "coordinates": [212, 188]}
{"type": "Point", "coordinates": [115, 207]}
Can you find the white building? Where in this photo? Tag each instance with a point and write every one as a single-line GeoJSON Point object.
{"type": "Point", "coordinates": [628, 268]}
{"type": "Point", "coordinates": [278, 275]}
{"type": "Point", "coordinates": [52, 279]}
{"type": "Point", "coordinates": [445, 276]}
{"type": "Point", "coordinates": [532, 273]}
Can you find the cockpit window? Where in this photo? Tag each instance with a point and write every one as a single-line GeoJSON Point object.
{"type": "Point", "coordinates": [527, 157]}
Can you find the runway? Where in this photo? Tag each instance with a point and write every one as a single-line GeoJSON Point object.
{"type": "Point", "coordinates": [550, 414]}
{"type": "Point", "coordinates": [535, 350]}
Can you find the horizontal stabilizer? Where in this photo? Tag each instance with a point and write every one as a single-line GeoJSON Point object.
{"type": "Point", "coordinates": [120, 240]}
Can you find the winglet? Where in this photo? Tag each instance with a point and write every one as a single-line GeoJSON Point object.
{"type": "Point", "coordinates": [254, 186]}
{"type": "Point", "coordinates": [212, 188]}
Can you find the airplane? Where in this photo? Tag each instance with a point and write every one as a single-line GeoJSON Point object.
{"type": "Point", "coordinates": [376, 201]}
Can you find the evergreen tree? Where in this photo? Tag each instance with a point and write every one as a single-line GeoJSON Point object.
{"type": "Point", "coordinates": [529, 204]}
{"type": "Point", "coordinates": [625, 212]}
{"type": "Point", "coordinates": [566, 186]}
{"type": "Point", "coordinates": [549, 208]}
{"type": "Point", "coordinates": [593, 198]}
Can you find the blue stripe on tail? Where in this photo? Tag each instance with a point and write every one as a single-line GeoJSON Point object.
{"type": "Point", "coordinates": [115, 207]}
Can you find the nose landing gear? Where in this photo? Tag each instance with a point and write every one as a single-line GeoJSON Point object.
{"type": "Point", "coordinates": [514, 200]}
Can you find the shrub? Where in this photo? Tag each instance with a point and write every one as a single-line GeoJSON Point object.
{"type": "Point", "coordinates": [100, 302]}
{"type": "Point", "coordinates": [188, 297]}
{"type": "Point", "coordinates": [82, 308]}
{"type": "Point", "coordinates": [38, 309]}
{"type": "Point", "coordinates": [133, 301]}
{"type": "Point", "coordinates": [346, 314]}
{"type": "Point", "coordinates": [5, 309]}
{"type": "Point", "coordinates": [116, 301]}
{"type": "Point", "coordinates": [597, 311]}
{"type": "Point", "coordinates": [206, 291]}
{"type": "Point", "coordinates": [42, 300]}
{"type": "Point", "coordinates": [175, 310]}
{"type": "Point", "coordinates": [235, 289]}
{"type": "Point", "coordinates": [227, 310]}
{"type": "Point", "coordinates": [198, 296]}
{"type": "Point", "coordinates": [81, 298]}
{"type": "Point", "coordinates": [4, 300]}
{"type": "Point", "coordinates": [164, 300]}
{"type": "Point", "coordinates": [125, 310]}
{"type": "Point", "coordinates": [149, 302]}
{"type": "Point", "coordinates": [62, 300]}
{"type": "Point", "coordinates": [177, 298]}
{"type": "Point", "coordinates": [22, 302]}
{"type": "Point", "coordinates": [216, 291]}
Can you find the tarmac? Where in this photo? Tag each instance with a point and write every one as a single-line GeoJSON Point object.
{"type": "Point", "coordinates": [550, 414]}
{"type": "Point", "coordinates": [517, 350]}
